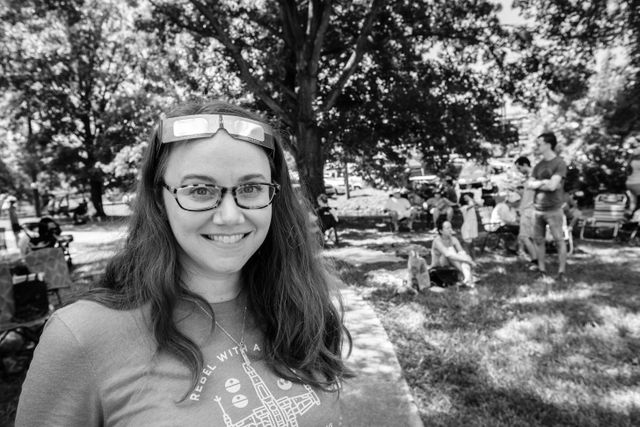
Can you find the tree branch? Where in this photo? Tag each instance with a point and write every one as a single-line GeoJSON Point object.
{"type": "Point", "coordinates": [354, 60]}
{"type": "Point", "coordinates": [255, 85]}
{"type": "Point", "coordinates": [292, 33]}
{"type": "Point", "coordinates": [320, 32]}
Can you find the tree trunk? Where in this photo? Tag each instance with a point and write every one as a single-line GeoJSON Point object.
{"type": "Point", "coordinates": [309, 159]}
{"type": "Point", "coordinates": [346, 178]}
{"type": "Point", "coordinates": [95, 186]}
{"type": "Point", "coordinates": [36, 202]}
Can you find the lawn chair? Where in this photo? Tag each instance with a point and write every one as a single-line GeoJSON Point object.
{"type": "Point", "coordinates": [52, 264]}
{"type": "Point", "coordinates": [24, 309]}
{"type": "Point", "coordinates": [3, 239]}
{"type": "Point", "coordinates": [496, 234]}
{"type": "Point", "coordinates": [608, 216]}
{"type": "Point", "coordinates": [629, 232]}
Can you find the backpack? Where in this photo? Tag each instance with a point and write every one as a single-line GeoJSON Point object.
{"type": "Point", "coordinates": [30, 296]}
{"type": "Point", "coordinates": [444, 276]}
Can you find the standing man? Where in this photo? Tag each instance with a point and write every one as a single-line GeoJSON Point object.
{"type": "Point", "coordinates": [547, 179]}
{"type": "Point", "coordinates": [13, 218]}
{"type": "Point", "coordinates": [525, 234]}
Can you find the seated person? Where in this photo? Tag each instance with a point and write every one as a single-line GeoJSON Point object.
{"type": "Point", "coordinates": [415, 199]}
{"type": "Point", "coordinates": [48, 234]}
{"type": "Point", "coordinates": [442, 206]}
{"type": "Point", "coordinates": [504, 217]}
{"type": "Point", "coordinates": [327, 214]}
{"type": "Point", "coordinates": [400, 208]}
{"type": "Point", "coordinates": [447, 251]}
{"type": "Point", "coordinates": [570, 209]}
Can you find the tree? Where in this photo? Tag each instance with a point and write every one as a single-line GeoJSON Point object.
{"type": "Point", "coordinates": [585, 57]}
{"type": "Point", "coordinates": [72, 68]}
{"type": "Point", "coordinates": [298, 58]}
{"type": "Point", "coordinates": [278, 50]}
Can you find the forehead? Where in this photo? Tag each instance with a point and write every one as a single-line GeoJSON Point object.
{"type": "Point", "coordinates": [220, 158]}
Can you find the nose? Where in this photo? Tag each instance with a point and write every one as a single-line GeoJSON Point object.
{"type": "Point", "coordinates": [228, 212]}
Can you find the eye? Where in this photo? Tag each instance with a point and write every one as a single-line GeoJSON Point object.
{"type": "Point", "coordinates": [251, 189]}
{"type": "Point", "coordinates": [200, 191]}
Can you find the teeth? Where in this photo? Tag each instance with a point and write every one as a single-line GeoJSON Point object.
{"type": "Point", "coordinates": [226, 238]}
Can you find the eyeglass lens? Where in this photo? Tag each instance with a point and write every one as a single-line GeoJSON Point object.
{"type": "Point", "coordinates": [204, 196]}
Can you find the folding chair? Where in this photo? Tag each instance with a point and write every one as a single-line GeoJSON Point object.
{"type": "Point", "coordinates": [51, 262]}
{"type": "Point", "coordinates": [3, 239]}
{"type": "Point", "coordinates": [496, 233]}
{"type": "Point", "coordinates": [608, 216]}
{"type": "Point", "coordinates": [22, 318]}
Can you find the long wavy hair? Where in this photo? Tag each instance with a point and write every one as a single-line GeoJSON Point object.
{"type": "Point", "coordinates": [287, 286]}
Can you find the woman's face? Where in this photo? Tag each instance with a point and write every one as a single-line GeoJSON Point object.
{"type": "Point", "coordinates": [217, 243]}
{"type": "Point", "coordinates": [447, 230]}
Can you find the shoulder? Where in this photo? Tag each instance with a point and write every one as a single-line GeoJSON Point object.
{"type": "Point", "coordinates": [559, 161]}
{"type": "Point", "coordinates": [93, 324]}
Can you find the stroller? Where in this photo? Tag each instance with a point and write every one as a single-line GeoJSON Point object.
{"type": "Point", "coordinates": [46, 233]}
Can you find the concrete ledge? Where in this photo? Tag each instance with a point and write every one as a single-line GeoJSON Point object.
{"type": "Point", "coordinates": [379, 394]}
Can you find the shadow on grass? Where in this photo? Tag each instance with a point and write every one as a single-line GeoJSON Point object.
{"type": "Point", "coordinates": [455, 391]}
{"type": "Point", "coordinates": [521, 349]}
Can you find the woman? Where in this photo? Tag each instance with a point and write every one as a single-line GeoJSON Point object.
{"type": "Point", "coordinates": [447, 251]}
{"type": "Point", "coordinates": [216, 312]}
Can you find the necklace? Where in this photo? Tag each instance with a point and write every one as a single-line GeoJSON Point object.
{"type": "Point", "coordinates": [241, 345]}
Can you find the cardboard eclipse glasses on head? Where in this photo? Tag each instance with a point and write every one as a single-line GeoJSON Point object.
{"type": "Point", "coordinates": [183, 128]}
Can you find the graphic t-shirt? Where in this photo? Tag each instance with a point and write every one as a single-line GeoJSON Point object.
{"type": "Point", "coordinates": [545, 169]}
{"type": "Point", "coordinates": [96, 366]}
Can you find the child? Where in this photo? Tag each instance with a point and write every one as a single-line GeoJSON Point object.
{"type": "Point", "coordinates": [469, 230]}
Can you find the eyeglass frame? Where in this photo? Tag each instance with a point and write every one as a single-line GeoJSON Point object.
{"type": "Point", "coordinates": [223, 191]}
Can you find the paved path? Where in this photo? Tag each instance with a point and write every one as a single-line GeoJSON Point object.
{"type": "Point", "coordinates": [379, 395]}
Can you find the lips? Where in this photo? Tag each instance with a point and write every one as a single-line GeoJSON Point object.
{"type": "Point", "coordinates": [226, 238]}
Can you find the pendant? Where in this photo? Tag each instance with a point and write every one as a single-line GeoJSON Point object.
{"type": "Point", "coordinates": [243, 353]}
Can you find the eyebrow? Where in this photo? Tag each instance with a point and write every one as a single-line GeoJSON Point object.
{"type": "Point", "coordinates": [209, 179]}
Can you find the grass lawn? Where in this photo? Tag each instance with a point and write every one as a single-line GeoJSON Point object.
{"type": "Point", "coordinates": [519, 350]}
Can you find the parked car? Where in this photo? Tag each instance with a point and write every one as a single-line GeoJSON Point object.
{"type": "Point", "coordinates": [355, 183]}
{"type": "Point", "coordinates": [329, 189]}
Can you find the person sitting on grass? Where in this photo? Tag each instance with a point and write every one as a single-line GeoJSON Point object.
{"type": "Point", "coordinates": [446, 251]}
{"type": "Point", "coordinates": [399, 209]}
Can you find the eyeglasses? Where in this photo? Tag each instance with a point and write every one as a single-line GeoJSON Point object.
{"type": "Point", "coordinates": [204, 197]}
{"type": "Point", "coordinates": [205, 125]}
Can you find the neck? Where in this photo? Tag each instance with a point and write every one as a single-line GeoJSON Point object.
{"type": "Point", "coordinates": [548, 155]}
{"type": "Point", "coordinates": [213, 289]}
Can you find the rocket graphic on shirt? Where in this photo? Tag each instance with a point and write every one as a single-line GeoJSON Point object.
{"type": "Point", "coordinates": [273, 411]}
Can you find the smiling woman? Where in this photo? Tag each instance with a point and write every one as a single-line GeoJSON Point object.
{"type": "Point", "coordinates": [210, 313]}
